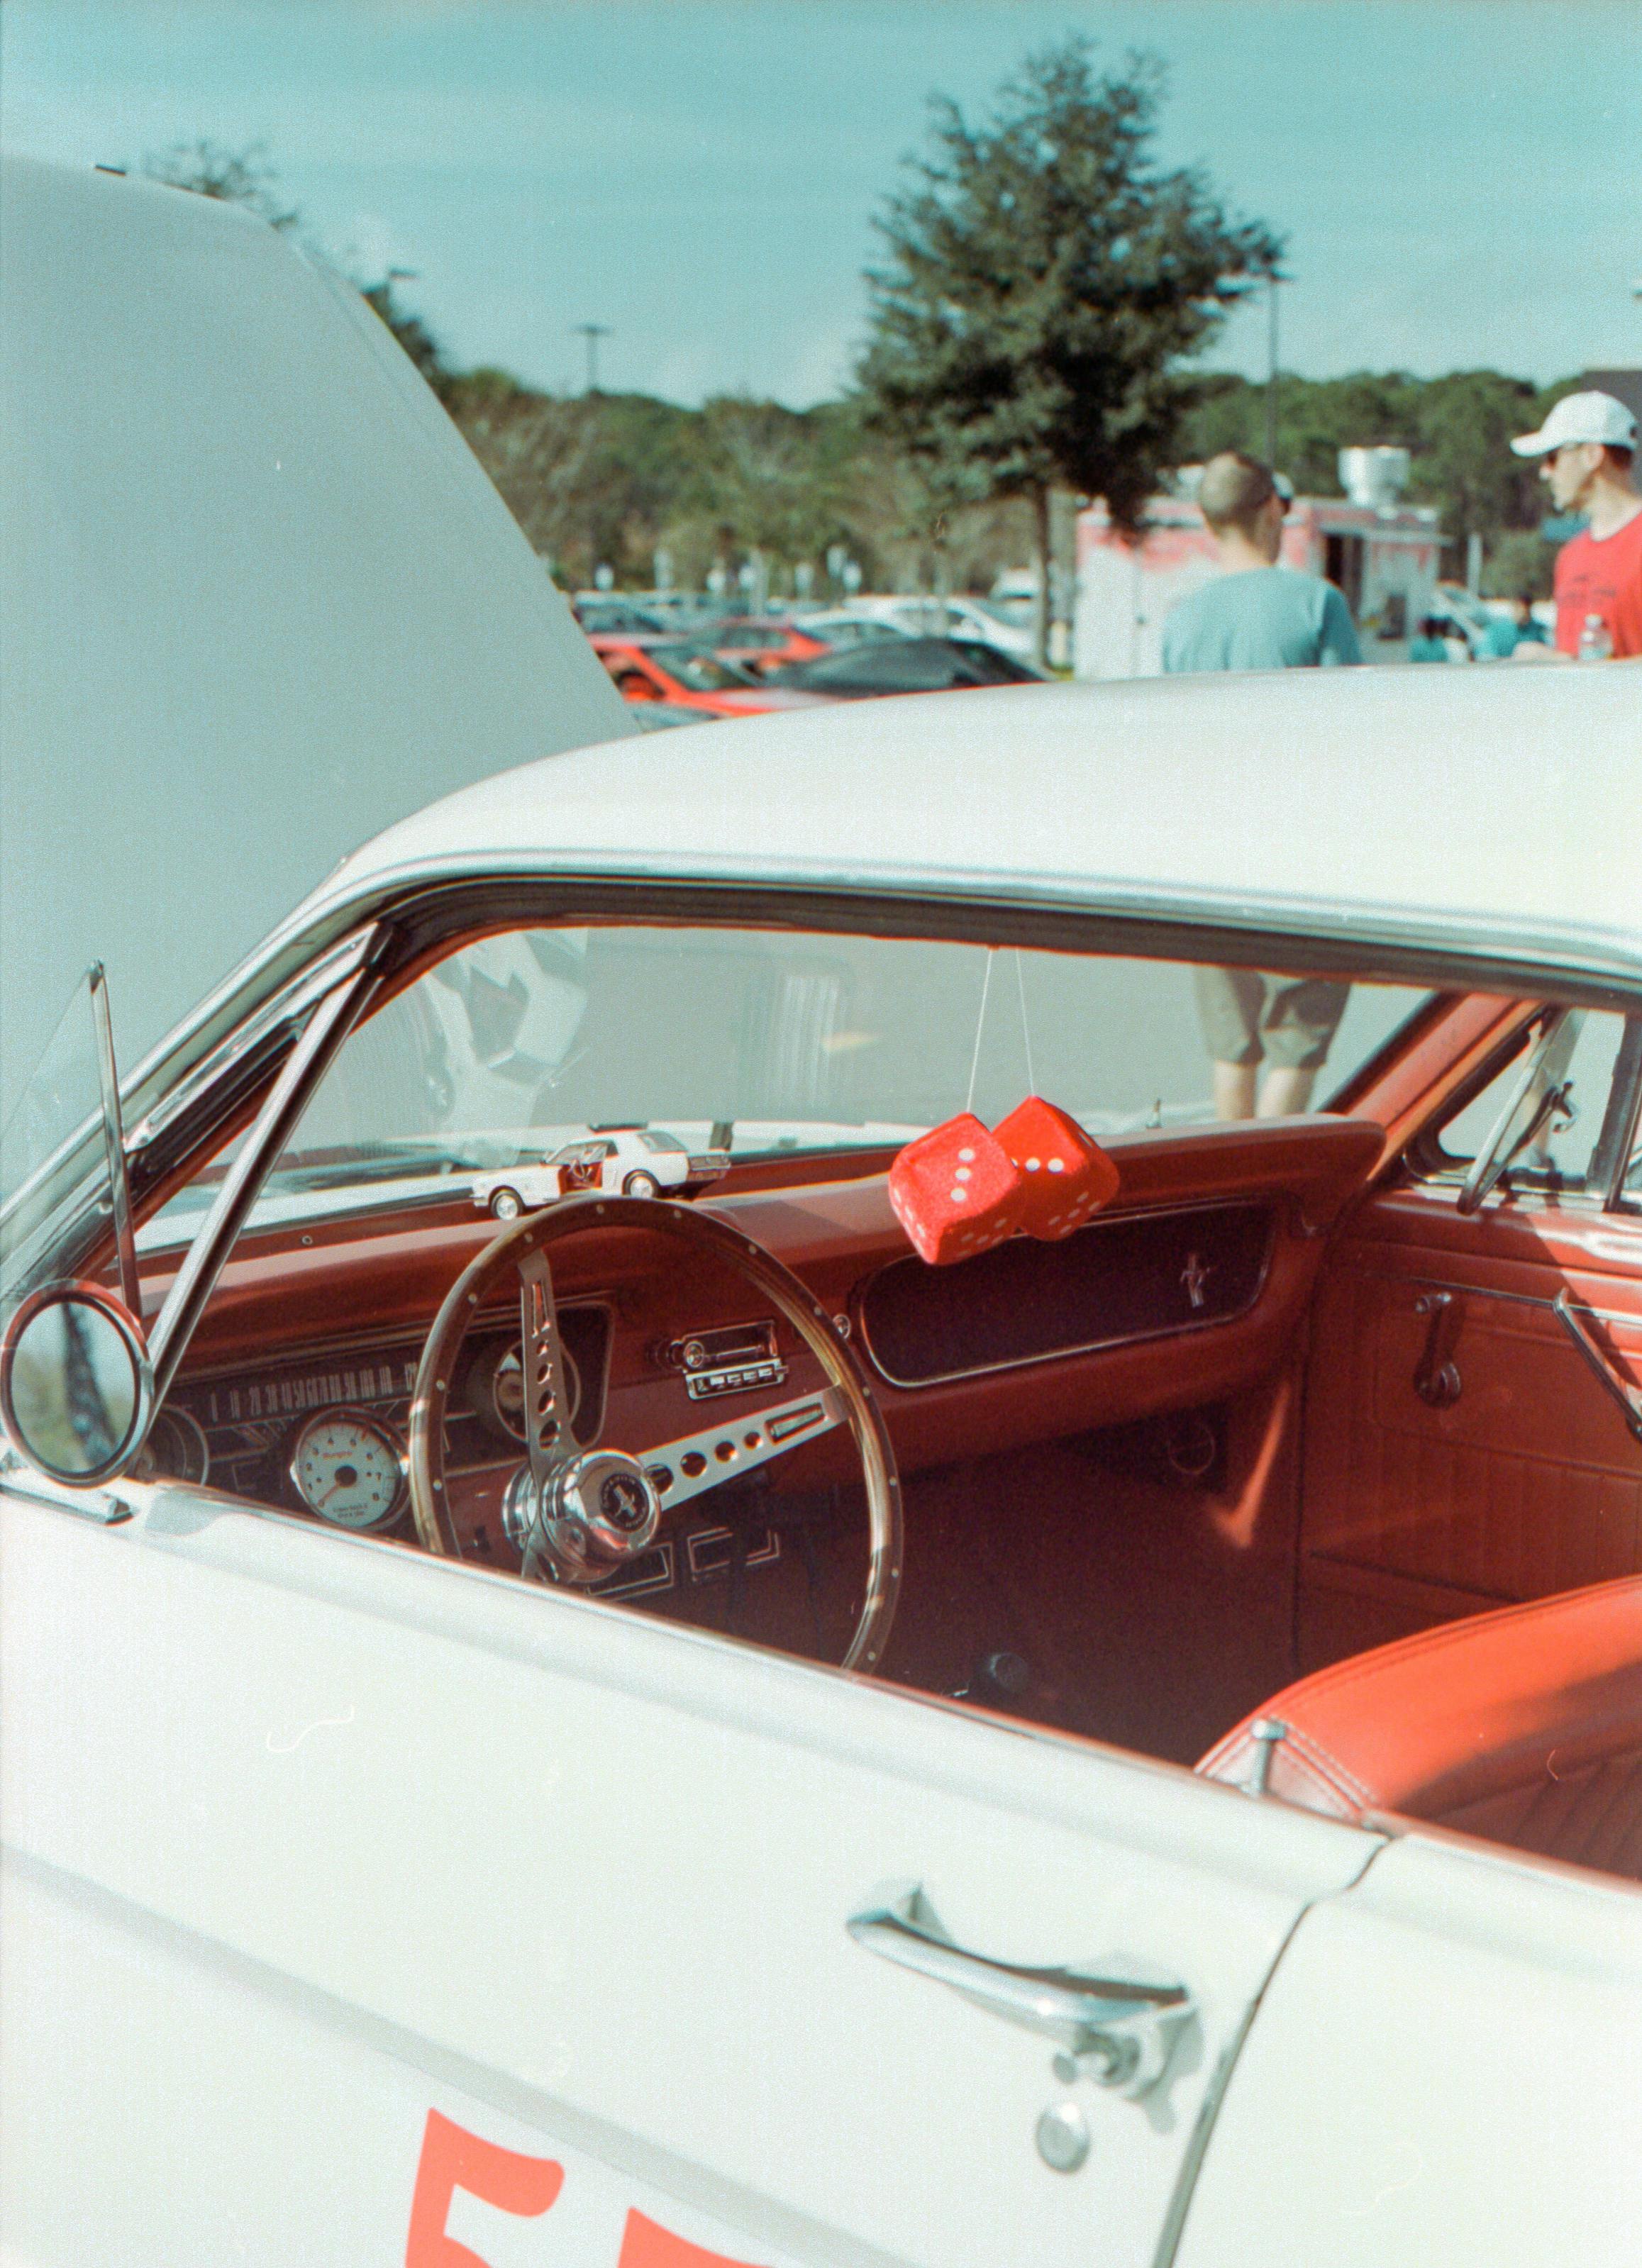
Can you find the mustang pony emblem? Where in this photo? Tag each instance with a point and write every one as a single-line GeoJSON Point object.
{"type": "Point", "coordinates": [624, 1501]}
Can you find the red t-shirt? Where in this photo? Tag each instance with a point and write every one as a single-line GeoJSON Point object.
{"type": "Point", "coordinates": [1601, 578]}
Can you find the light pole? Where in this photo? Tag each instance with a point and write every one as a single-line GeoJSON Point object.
{"type": "Point", "coordinates": [593, 333]}
{"type": "Point", "coordinates": [1273, 278]}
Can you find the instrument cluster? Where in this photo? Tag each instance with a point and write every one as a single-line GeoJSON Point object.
{"type": "Point", "coordinates": [325, 1433]}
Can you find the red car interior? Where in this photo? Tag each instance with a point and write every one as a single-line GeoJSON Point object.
{"type": "Point", "coordinates": [1524, 1725]}
{"type": "Point", "coordinates": [1277, 1411]}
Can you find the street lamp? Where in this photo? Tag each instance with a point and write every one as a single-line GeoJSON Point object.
{"type": "Point", "coordinates": [1274, 277]}
{"type": "Point", "coordinates": [593, 333]}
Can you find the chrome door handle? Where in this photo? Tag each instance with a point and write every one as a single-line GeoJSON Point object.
{"type": "Point", "coordinates": [1116, 2029]}
{"type": "Point", "coordinates": [1607, 1373]}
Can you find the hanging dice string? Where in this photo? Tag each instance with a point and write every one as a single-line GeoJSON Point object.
{"type": "Point", "coordinates": [980, 1027]}
{"type": "Point", "coordinates": [1025, 1023]}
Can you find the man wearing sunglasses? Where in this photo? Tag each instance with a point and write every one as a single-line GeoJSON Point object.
{"type": "Point", "coordinates": [1587, 448]}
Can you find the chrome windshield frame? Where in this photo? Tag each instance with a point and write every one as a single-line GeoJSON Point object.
{"type": "Point", "coordinates": [329, 1025]}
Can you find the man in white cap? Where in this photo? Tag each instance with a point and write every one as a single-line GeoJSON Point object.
{"type": "Point", "coordinates": [1586, 447]}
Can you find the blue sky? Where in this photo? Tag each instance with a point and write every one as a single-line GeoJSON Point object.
{"type": "Point", "coordinates": [1461, 185]}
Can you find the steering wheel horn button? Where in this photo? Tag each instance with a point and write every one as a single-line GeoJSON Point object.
{"type": "Point", "coordinates": [596, 1512]}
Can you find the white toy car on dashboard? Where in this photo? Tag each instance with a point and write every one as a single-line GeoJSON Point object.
{"type": "Point", "coordinates": [635, 1161]}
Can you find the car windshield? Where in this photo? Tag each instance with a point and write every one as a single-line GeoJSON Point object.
{"type": "Point", "coordinates": [771, 1042]}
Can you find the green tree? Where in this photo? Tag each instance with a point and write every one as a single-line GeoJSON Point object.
{"type": "Point", "coordinates": [1045, 278]}
{"type": "Point", "coordinates": [1457, 430]}
{"type": "Point", "coordinates": [238, 177]}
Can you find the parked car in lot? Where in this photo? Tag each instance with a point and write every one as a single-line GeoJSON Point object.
{"type": "Point", "coordinates": [662, 716]}
{"type": "Point", "coordinates": [613, 617]}
{"type": "Point", "coordinates": [677, 1733]}
{"type": "Point", "coordinates": [762, 645]}
{"type": "Point", "coordinates": [975, 620]}
{"type": "Point", "coordinates": [905, 665]}
{"type": "Point", "coordinates": [685, 675]}
{"type": "Point", "coordinates": [631, 1161]}
{"type": "Point", "coordinates": [841, 626]}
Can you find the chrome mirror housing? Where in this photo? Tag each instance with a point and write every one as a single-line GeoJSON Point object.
{"type": "Point", "coordinates": [76, 1386]}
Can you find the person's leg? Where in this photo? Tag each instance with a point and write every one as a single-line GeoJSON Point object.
{"type": "Point", "coordinates": [1234, 1089]}
{"type": "Point", "coordinates": [1286, 1091]}
{"type": "Point", "coordinates": [1296, 1026]}
{"type": "Point", "coordinates": [1229, 1002]}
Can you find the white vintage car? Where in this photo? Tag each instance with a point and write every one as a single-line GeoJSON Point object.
{"type": "Point", "coordinates": [1126, 1747]}
{"type": "Point", "coordinates": [635, 1161]}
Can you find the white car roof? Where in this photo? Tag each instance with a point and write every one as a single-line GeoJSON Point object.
{"type": "Point", "coordinates": [257, 599]}
{"type": "Point", "coordinates": [1494, 810]}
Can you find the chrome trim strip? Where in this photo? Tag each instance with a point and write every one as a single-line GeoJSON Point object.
{"type": "Point", "coordinates": [662, 1577]}
{"type": "Point", "coordinates": [1631, 1317]}
{"type": "Point", "coordinates": [114, 1138]}
{"type": "Point", "coordinates": [1092, 1346]}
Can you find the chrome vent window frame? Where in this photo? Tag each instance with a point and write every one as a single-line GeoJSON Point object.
{"type": "Point", "coordinates": [1601, 1187]}
{"type": "Point", "coordinates": [63, 1212]}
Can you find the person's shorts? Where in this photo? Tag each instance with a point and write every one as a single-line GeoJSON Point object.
{"type": "Point", "coordinates": [1248, 1016]}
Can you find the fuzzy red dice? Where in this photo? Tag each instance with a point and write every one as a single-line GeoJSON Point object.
{"type": "Point", "coordinates": [955, 1192]}
{"type": "Point", "coordinates": [1064, 1175]}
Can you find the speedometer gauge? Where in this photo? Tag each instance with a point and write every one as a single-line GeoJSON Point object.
{"type": "Point", "coordinates": [350, 1469]}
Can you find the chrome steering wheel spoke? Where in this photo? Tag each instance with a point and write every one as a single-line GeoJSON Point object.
{"type": "Point", "coordinates": [699, 1462]}
{"type": "Point", "coordinates": [547, 1436]}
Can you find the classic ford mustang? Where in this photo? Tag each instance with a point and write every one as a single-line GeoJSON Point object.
{"type": "Point", "coordinates": [680, 1733]}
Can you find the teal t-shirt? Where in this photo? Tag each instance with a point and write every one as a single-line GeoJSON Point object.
{"type": "Point", "coordinates": [1261, 618]}
{"type": "Point", "coordinates": [1500, 639]}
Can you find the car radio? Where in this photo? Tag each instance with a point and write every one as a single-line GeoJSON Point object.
{"type": "Point", "coordinates": [730, 1360]}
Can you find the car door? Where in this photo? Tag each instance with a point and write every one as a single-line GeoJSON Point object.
{"type": "Point", "coordinates": [1445, 2068]}
{"type": "Point", "coordinates": [362, 1907]}
{"type": "Point", "coordinates": [1467, 1441]}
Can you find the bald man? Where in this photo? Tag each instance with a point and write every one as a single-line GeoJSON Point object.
{"type": "Point", "coordinates": [1255, 615]}
{"type": "Point", "coordinates": [1258, 616]}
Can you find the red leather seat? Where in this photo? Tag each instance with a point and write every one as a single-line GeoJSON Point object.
{"type": "Point", "coordinates": [1524, 1726]}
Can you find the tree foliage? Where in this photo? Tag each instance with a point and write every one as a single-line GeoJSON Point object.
{"type": "Point", "coordinates": [239, 177]}
{"type": "Point", "coordinates": [1045, 278]}
{"type": "Point", "coordinates": [1074, 265]}
{"type": "Point", "coordinates": [1457, 430]}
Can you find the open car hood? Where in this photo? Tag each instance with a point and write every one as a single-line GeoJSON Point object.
{"type": "Point", "coordinates": [257, 601]}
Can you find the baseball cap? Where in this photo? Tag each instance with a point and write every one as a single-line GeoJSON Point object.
{"type": "Point", "coordinates": [1581, 417]}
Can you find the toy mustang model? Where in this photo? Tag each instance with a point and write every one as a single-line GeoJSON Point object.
{"type": "Point", "coordinates": [638, 1161]}
{"type": "Point", "coordinates": [664, 1734]}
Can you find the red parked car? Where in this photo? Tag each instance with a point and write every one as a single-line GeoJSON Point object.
{"type": "Point", "coordinates": [762, 642]}
{"type": "Point", "coordinates": [691, 676]}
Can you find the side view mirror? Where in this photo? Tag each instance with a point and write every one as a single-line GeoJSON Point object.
{"type": "Point", "coordinates": [76, 1387]}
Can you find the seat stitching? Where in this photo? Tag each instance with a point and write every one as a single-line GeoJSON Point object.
{"type": "Point", "coordinates": [1325, 1766]}
{"type": "Point", "coordinates": [1358, 1667]}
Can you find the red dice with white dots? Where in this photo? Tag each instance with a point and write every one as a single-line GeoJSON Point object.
{"type": "Point", "coordinates": [1065, 1176]}
{"type": "Point", "coordinates": [955, 1192]}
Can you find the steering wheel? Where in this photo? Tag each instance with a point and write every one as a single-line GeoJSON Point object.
{"type": "Point", "coordinates": [576, 1514]}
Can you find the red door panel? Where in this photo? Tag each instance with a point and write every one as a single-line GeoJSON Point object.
{"type": "Point", "coordinates": [1523, 1481]}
